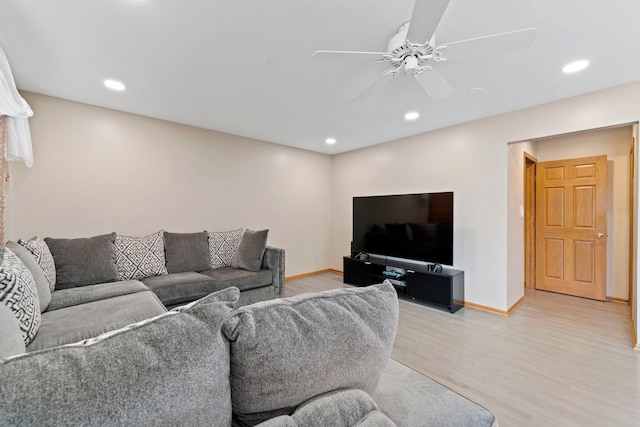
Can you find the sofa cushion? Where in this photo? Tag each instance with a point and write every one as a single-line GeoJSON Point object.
{"type": "Point", "coordinates": [186, 251]}
{"type": "Point", "coordinates": [84, 261]}
{"type": "Point", "coordinates": [42, 284]}
{"type": "Point", "coordinates": [11, 340]}
{"type": "Point", "coordinates": [169, 370]}
{"type": "Point", "coordinates": [79, 322]}
{"type": "Point", "coordinates": [286, 351]}
{"type": "Point", "coordinates": [223, 246]}
{"type": "Point", "coordinates": [42, 254]}
{"type": "Point", "coordinates": [241, 279]}
{"type": "Point", "coordinates": [176, 288]}
{"type": "Point", "coordinates": [18, 292]}
{"type": "Point", "coordinates": [410, 399]}
{"type": "Point", "coordinates": [140, 257]}
{"type": "Point", "coordinates": [84, 294]}
{"type": "Point", "coordinates": [340, 408]}
{"type": "Point", "coordinates": [251, 250]}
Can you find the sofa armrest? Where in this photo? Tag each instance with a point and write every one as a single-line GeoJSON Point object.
{"type": "Point", "coordinates": [274, 260]}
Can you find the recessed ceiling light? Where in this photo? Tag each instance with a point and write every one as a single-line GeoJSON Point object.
{"type": "Point", "coordinates": [330, 141]}
{"type": "Point", "coordinates": [575, 66]}
{"type": "Point", "coordinates": [476, 91]}
{"type": "Point", "coordinates": [114, 85]}
{"type": "Point", "coordinates": [411, 115]}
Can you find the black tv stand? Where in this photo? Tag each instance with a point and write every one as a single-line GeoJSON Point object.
{"type": "Point", "coordinates": [443, 289]}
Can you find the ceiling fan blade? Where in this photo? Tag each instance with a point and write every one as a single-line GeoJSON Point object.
{"type": "Point", "coordinates": [434, 84]}
{"type": "Point", "coordinates": [346, 52]}
{"type": "Point", "coordinates": [425, 18]}
{"type": "Point", "coordinates": [379, 81]}
{"type": "Point", "coordinates": [488, 45]}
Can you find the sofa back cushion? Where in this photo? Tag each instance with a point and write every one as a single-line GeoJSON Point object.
{"type": "Point", "coordinates": [186, 251]}
{"type": "Point", "coordinates": [18, 292]}
{"type": "Point", "coordinates": [140, 257]}
{"type": "Point", "coordinates": [169, 370]}
{"type": "Point", "coordinates": [11, 340]}
{"type": "Point", "coordinates": [41, 282]}
{"type": "Point", "coordinates": [84, 261]}
{"type": "Point", "coordinates": [286, 351]}
{"type": "Point", "coordinates": [40, 251]}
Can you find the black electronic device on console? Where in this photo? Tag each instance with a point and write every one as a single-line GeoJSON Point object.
{"type": "Point", "coordinates": [434, 268]}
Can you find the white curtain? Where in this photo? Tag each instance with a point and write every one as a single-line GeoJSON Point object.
{"type": "Point", "coordinates": [18, 138]}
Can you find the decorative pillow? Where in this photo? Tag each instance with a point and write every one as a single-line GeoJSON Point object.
{"type": "Point", "coordinates": [42, 285]}
{"type": "Point", "coordinates": [223, 246]}
{"type": "Point", "coordinates": [251, 250]}
{"type": "Point", "coordinates": [186, 251]}
{"type": "Point", "coordinates": [170, 370]}
{"type": "Point", "coordinates": [42, 254]}
{"type": "Point", "coordinates": [84, 261]}
{"type": "Point", "coordinates": [286, 351]}
{"type": "Point", "coordinates": [18, 292]}
{"type": "Point", "coordinates": [140, 257]}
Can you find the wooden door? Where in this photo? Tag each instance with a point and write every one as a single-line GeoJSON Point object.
{"type": "Point", "coordinates": [571, 226]}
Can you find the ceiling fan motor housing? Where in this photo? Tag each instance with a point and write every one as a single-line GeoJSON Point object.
{"type": "Point", "coordinates": [414, 57]}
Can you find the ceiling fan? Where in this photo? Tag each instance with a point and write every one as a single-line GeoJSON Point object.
{"type": "Point", "coordinates": [409, 53]}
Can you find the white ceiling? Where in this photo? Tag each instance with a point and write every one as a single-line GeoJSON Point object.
{"type": "Point", "coordinates": [244, 66]}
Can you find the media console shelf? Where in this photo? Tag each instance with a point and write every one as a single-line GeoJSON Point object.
{"type": "Point", "coordinates": [444, 289]}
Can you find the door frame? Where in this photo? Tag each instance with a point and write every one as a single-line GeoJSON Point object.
{"type": "Point", "coordinates": [529, 169]}
{"type": "Point", "coordinates": [632, 202]}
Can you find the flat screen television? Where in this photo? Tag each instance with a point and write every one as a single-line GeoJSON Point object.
{"type": "Point", "coordinates": [411, 226]}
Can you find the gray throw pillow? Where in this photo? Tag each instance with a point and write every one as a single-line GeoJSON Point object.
{"type": "Point", "coordinates": [186, 251]}
{"type": "Point", "coordinates": [286, 351]}
{"type": "Point", "coordinates": [84, 261]}
{"type": "Point", "coordinates": [18, 292]}
{"type": "Point", "coordinates": [42, 284]}
{"type": "Point", "coordinates": [251, 250]}
{"type": "Point", "coordinates": [170, 370]}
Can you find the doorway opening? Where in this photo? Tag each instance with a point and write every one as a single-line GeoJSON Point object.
{"type": "Point", "coordinates": [617, 143]}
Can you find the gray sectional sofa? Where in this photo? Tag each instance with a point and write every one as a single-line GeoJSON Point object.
{"type": "Point", "coordinates": [178, 267]}
{"type": "Point", "coordinates": [312, 360]}
{"type": "Point", "coordinates": [88, 286]}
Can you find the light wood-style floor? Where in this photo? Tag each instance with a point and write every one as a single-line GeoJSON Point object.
{"type": "Point", "coordinates": [556, 361]}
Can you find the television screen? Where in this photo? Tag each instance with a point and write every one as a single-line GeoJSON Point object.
{"type": "Point", "coordinates": [411, 226]}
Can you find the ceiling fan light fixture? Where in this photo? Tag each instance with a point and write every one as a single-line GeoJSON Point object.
{"type": "Point", "coordinates": [411, 116]}
{"type": "Point", "coordinates": [411, 65]}
{"type": "Point", "coordinates": [575, 66]}
{"type": "Point", "coordinates": [114, 85]}
{"type": "Point", "coordinates": [330, 141]}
